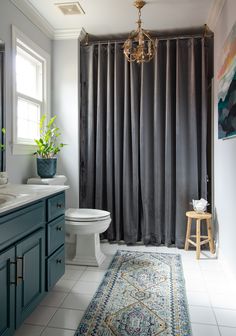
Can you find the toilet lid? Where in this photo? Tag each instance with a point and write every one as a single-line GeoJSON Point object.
{"type": "Point", "coordinates": [86, 215]}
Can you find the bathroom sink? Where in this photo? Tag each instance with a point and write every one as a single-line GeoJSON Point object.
{"type": "Point", "coordinates": [10, 195]}
{"type": "Point", "coordinates": [6, 198]}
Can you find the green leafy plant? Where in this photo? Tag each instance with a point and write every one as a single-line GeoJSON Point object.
{"type": "Point", "coordinates": [48, 145]}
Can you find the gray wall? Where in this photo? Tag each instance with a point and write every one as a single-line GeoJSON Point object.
{"type": "Point", "coordinates": [19, 167]}
{"type": "Point", "coordinates": [225, 158]}
{"type": "Point", "coordinates": [65, 62]}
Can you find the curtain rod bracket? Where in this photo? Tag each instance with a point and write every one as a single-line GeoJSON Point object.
{"type": "Point", "coordinates": [86, 39]}
{"type": "Point", "coordinates": [206, 31]}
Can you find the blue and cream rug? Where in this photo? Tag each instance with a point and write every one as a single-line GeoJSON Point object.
{"type": "Point", "coordinates": [142, 294]}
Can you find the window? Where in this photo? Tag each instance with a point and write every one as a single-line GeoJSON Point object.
{"type": "Point", "coordinates": [31, 84]}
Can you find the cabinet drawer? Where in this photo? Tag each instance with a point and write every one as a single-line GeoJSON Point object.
{"type": "Point", "coordinates": [55, 267]}
{"type": "Point", "coordinates": [13, 226]}
{"type": "Point", "coordinates": [55, 234]}
{"type": "Point", "coordinates": [56, 206]}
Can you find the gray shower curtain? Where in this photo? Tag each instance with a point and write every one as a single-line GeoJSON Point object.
{"type": "Point", "coordinates": [143, 137]}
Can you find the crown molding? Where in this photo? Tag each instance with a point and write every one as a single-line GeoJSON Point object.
{"type": "Point", "coordinates": [214, 13]}
{"type": "Point", "coordinates": [38, 20]}
{"type": "Point", "coordinates": [66, 34]}
{"type": "Point", "coordinates": [82, 34]}
{"type": "Point", "coordinates": [34, 16]}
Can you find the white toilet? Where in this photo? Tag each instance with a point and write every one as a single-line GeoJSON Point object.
{"type": "Point", "coordinates": [87, 224]}
{"type": "Point", "coordinates": [83, 227]}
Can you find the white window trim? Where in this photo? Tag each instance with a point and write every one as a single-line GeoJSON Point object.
{"type": "Point", "coordinates": [24, 148]}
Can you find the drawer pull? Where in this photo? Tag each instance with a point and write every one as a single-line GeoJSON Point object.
{"type": "Point", "coordinates": [13, 282]}
{"type": "Point", "coordinates": [59, 261]}
{"type": "Point", "coordinates": [20, 269]}
{"type": "Point", "coordinates": [60, 206]}
{"type": "Point", "coordinates": [59, 228]}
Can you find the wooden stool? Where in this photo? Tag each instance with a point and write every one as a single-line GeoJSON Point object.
{"type": "Point", "coordinates": [208, 239]}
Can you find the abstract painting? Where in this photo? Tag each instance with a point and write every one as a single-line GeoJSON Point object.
{"type": "Point", "coordinates": [227, 88]}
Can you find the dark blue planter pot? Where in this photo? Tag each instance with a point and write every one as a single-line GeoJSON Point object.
{"type": "Point", "coordinates": [46, 168]}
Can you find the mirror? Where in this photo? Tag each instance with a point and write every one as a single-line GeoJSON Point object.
{"type": "Point", "coordinates": [2, 103]}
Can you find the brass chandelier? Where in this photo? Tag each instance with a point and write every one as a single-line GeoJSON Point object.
{"type": "Point", "coordinates": [139, 47]}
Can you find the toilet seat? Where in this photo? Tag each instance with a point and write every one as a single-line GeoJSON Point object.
{"type": "Point", "coordinates": [87, 221]}
{"type": "Point", "coordinates": [86, 215]}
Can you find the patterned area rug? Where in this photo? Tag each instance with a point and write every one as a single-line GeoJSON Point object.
{"type": "Point", "coordinates": [142, 294]}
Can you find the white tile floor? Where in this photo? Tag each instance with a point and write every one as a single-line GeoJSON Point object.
{"type": "Point", "coordinates": [211, 296]}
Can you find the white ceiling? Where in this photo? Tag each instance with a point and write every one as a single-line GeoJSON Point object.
{"type": "Point", "coordinates": [119, 16]}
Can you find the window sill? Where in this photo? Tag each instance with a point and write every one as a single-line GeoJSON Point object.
{"type": "Point", "coordinates": [23, 149]}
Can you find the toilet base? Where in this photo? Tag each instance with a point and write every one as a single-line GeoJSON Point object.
{"type": "Point", "coordinates": [88, 251]}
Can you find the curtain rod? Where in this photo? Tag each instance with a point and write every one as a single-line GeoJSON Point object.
{"type": "Point", "coordinates": [183, 37]}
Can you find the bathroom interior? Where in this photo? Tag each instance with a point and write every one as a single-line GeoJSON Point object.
{"type": "Point", "coordinates": [111, 241]}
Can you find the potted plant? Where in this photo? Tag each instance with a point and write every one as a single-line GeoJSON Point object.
{"type": "Point", "coordinates": [48, 146]}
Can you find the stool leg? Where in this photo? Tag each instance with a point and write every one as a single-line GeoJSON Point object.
{"type": "Point", "coordinates": [198, 240]}
{"type": "Point", "coordinates": [188, 233]}
{"type": "Point", "coordinates": [210, 236]}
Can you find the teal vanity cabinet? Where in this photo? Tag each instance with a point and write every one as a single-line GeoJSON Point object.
{"type": "Point", "coordinates": [7, 292]}
{"type": "Point", "coordinates": [31, 258]}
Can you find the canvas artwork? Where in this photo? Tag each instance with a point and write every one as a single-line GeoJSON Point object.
{"type": "Point", "coordinates": [227, 88]}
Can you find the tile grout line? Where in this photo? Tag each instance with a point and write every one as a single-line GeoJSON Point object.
{"type": "Point", "coordinates": [209, 297]}
{"type": "Point", "coordinates": [70, 291]}
{"type": "Point", "coordinates": [57, 308]}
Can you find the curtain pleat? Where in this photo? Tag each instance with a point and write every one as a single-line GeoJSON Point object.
{"type": "Point", "coordinates": [147, 152]}
{"type": "Point", "coordinates": [170, 138]}
{"type": "Point", "coordinates": [143, 138]}
{"type": "Point", "coordinates": [131, 203]}
{"type": "Point", "coordinates": [159, 144]}
{"type": "Point", "coordinates": [109, 157]}
{"type": "Point", "coordinates": [204, 123]}
{"type": "Point", "coordinates": [117, 229]}
{"type": "Point", "coordinates": [101, 130]}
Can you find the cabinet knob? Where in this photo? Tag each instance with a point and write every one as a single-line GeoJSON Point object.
{"type": "Point", "coordinates": [60, 206]}
{"type": "Point", "coordinates": [59, 261]}
{"type": "Point", "coordinates": [59, 228]}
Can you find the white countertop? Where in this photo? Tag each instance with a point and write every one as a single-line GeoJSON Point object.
{"type": "Point", "coordinates": [15, 195]}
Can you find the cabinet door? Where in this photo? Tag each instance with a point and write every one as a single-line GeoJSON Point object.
{"type": "Point", "coordinates": [7, 292]}
{"type": "Point", "coordinates": [30, 256]}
